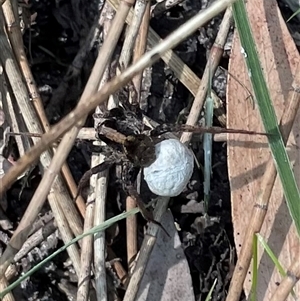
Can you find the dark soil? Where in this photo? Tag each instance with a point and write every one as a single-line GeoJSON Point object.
{"type": "Point", "coordinates": [60, 29]}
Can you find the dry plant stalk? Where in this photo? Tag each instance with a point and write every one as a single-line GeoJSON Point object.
{"type": "Point", "coordinates": [132, 33]}
{"type": "Point", "coordinates": [100, 188]}
{"type": "Point", "coordinates": [139, 50]}
{"type": "Point", "coordinates": [3, 285]}
{"type": "Point", "coordinates": [136, 39]}
{"type": "Point", "coordinates": [210, 68]}
{"type": "Point", "coordinates": [95, 211]}
{"type": "Point", "coordinates": [287, 284]}
{"type": "Point", "coordinates": [71, 120]}
{"type": "Point", "coordinates": [131, 233]}
{"type": "Point", "coordinates": [260, 207]}
{"type": "Point", "coordinates": [15, 120]}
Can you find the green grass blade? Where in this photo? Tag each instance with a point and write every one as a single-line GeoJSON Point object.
{"type": "Point", "coordinates": [207, 143]}
{"type": "Point", "coordinates": [209, 296]}
{"type": "Point", "coordinates": [273, 257]}
{"type": "Point", "coordinates": [267, 113]}
{"type": "Point", "coordinates": [293, 15]}
{"type": "Point", "coordinates": [254, 270]}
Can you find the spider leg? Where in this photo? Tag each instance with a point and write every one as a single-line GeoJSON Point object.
{"type": "Point", "coordinates": [94, 170]}
{"type": "Point", "coordinates": [147, 215]}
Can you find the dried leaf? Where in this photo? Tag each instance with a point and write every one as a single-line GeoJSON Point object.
{"type": "Point", "coordinates": [167, 275]}
{"type": "Point", "coordinates": [247, 156]}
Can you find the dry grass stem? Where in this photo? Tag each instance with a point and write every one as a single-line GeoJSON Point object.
{"type": "Point", "coordinates": [286, 285]}
{"type": "Point", "coordinates": [85, 133]}
{"type": "Point", "coordinates": [210, 68]}
{"type": "Point", "coordinates": [139, 50]}
{"type": "Point", "coordinates": [99, 239]}
{"type": "Point", "coordinates": [3, 285]}
{"type": "Point", "coordinates": [36, 239]}
{"type": "Point", "coordinates": [14, 120]}
{"type": "Point", "coordinates": [100, 185]}
{"type": "Point", "coordinates": [132, 32]}
{"type": "Point", "coordinates": [92, 213]}
{"type": "Point", "coordinates": [66, 235]}
{"type": "Point", "coordinates": [86, 249]}
{"type": "Point", "coordinates": [259, 209]}
{"type": "Point", "coordinates": [131, 233]}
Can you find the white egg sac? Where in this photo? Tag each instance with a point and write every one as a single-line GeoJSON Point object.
{"type": "Point", "coordinates": [172, 169]}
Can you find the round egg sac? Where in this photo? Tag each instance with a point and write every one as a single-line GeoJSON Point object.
{"type": "Point", "coordinates": [172, 169]}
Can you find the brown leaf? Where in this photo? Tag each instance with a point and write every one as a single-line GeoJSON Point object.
{"type": "Point", "coordinates": [247, 156]}
{"type": "Point", "coordinates": [167, 275]}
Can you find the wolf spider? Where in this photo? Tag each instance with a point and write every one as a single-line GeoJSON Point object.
{"type": "Point", "coordinates": [129, 141]}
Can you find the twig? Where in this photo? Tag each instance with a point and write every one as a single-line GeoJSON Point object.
{"type": "Point", "coordinates": [289, 281]}
{"type": "Point", "coordinates": [3, 285]}
{"type": "Point", "coordinates": [132, 33]}
{"type": "Point", "coordinates": [95, 207]}
{"type": "Point", "coordinates": [35, 239]}
{"type": "Point", "coordinates": [211, 66]}
{"type": "Point", "coordinates": [259, 209]}
{"type": "Point", "coordinates": [141, 20]}
{"type": "Point", "coordinates": [139, 50]}
{"type": "Point", "coordinates": [84, 134]}
{"type": "Point", "coordinates": [100, 189]}
{"type": "Point", "coordinates": [86, 250]}
{"type": "Point", "coordinates": [14, 120]}
{"type": "Point", "coordinates": [131, 233]}
{"type": "Point", "coordinates": [99, 239]}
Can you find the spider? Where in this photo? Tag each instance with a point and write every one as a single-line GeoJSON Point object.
{"type": "Point", "coordinates": [129, 141]}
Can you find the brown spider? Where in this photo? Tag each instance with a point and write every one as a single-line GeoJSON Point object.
{"type": "Point", "coordinates": [128, 140]}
